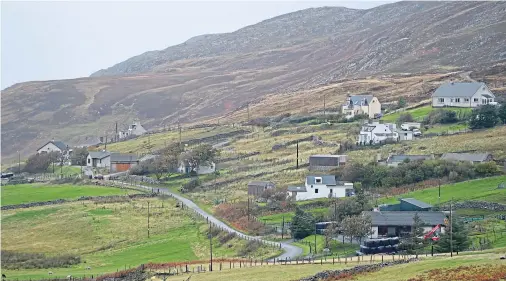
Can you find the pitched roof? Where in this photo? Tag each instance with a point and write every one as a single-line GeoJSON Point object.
{"type": "Point", "coordinates": [474, 157]}
{"type": "Point", "coordinates": [327, 180]}
{"type": "Point", "coordinates": [415, 202]}
{"type": "Point", "coordinates": [458, 89]}
{"type": "Point", "coordinates": [297, 188]}
{"type": "Point", "coordinates": [99, 154]}
{"type": "Point", "coordinates": [402, 157]}
{"type": "Point", "coordinates": [59, 144]}
{"type": "Point", "coordinates": [398, 218]}
{"type": "Point", "coordinates": [360, 99]}
{"type": "Point", "coordinates": [260, 183]}
{"type": "Point", "coordinates": [120, 157]}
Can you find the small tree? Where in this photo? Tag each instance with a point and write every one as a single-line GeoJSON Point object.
{"type": "Point", "coordinates": [415, 242]}
{"type": "Point", "coordinates": [501, 113]}
{"type": "Point", "coordinates": [484, 116]}
{"type": "Point", "coordinates": [302, 224]}
{"type": "Point", "coordinates": [405, 117]}
{"type": "Point", "coordinates": [401, 103]}
{"type": "Point", "coordinates": [79, 156]}
{"type": "Point", "coordinates": [37, 163]}
{"type": "Point", "coordinates": [460, 238]}
{"type": "Point", "coordinates": [330, 232]}
{"type": "Point", "coordinates": [358, 226]}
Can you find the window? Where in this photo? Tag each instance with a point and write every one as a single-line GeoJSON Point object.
{"type": "Point", "coordinates": [318, 180]}
{"type": "Point", "coordinates": [451, 100]}
{"type": "Point", "coordinates": [475, 100]}
{"type": "Point", "coordinates": [441, 100]}
{"type": "Point", "coordinates": [89, 161]}
{"type": "Point", "coordinates": [316, 190]}
{"type": "Point", "coordinates": [466, 100]}
{"type": "Point", "coordinates": [457, 100]}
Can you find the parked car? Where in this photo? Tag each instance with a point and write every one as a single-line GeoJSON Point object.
{"type": "Point", "coordinates": [417, 133]}
{"type": "Point", "coordinates": [99, 177]}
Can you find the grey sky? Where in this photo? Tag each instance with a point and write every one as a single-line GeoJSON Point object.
{"type": "Point", "coordinates": [57, 40]}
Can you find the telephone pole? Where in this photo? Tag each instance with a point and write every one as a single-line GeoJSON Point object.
{"type": "Point", "coordinates": [19, 162]}
{"type": "Point", "coordinates": [105, 146]}
{"type": "Point", "coordinates": [451, 228]}
{"type": "Point", "coordinates": [283, 228]}
{"type": "Point", "coordinates": [116, 135]}
{"type": "Point", "coordinates": [439, 192]}
{"type": "Point", "coordinates": [248, 112]}
{"type": "Point", "coordinates": [324, 106]}
{"type": "Point", "coordinates": [211, 247]}
{"type": "Point", "coordinates": [315, 230]}
{"type": "Point", "coordinates": [148, 219]}
{"type": "Point", "coordinates": [248, 209]}
{"type": "Point", "coordinates": [180, 145]}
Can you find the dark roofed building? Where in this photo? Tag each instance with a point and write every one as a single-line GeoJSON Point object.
{"type": "Point", "coordinates": [407, 204]}
{"type": "Point", "coordinates": [321, 180]}
{"type": "Point", "coordinates": [395, 160]}
{"type": "Point", "coordinates": [391, 223]}
{"type": "Point", "coordinates": [256, 188]}
{"type": "Point", "coordinates": [468, 157]}
{"type": "Point", "coordinates": [53, 146]}
{"type": "Point", "coordinates": [121, 162]}
{"type": "Point", "coordinates": [326, 162]}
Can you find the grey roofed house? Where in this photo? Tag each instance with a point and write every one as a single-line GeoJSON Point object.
{"type": "Point", "coordinates": [62, 146]}
{"type": "Point", "coordinates": [99, 154]}
{"type": "Point", "coordinates": [297, 189]}
{"type": "Point", "coordinates": [458, 89]}
{"type": "Point", "coordinates": [326, 162]}
{"type": "Point", "coordinates": [361, 99]}
{"type": "Point", "coordinates": [417, 203]}
{"type": "Point", "coordinates": [326, 180]}
{"type": "Point", "coordinates": [471, 157]}
{"type": "Point", "coordinates": [393, 218]}
{"type": "Point", "coordinates": [256, 188]}
{"type": "Point", "coordinates": [402, 157]}
{"type": "Point", "coordinates": [125, 158]}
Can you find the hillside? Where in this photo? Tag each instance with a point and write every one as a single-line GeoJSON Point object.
{"type": "Point", "coordinates": [213, 75]}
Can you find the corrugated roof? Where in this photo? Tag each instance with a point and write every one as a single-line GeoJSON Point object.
{"type": "Point", "coordinates": [474, 157]}
{"type": "Point", "coordinates": [120, 157]}
{"type": "Point", "coordinates": [297, 188]}
{"type": "Point", "coordinates": [327, 180]}
{"type": "Point", "coordinates": [397, 218]}
{"type": "Point", "coordinates": [402, 157]}
{"type": "Point", "coordinates": [260, 183]}
{"type": "Point", "coordinates": [417, 203]}
{"type": "Point", "coordinates": [99, 154]}
{"type": "Point", "coordinates": [458, 89]}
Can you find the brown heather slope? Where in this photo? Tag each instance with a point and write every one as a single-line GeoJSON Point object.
{"type": "Point", "coordinates": [213, 75]}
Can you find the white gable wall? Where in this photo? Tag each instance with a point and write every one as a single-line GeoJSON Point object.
{"type": "Point", "coordinates": [50, 147]}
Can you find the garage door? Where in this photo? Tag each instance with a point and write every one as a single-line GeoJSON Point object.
{"type": "Point", "coordinates": [122, 167]}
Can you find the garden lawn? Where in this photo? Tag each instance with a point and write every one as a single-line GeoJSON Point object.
{"type": "Point", "coordinates": [65, 170]}
{"type": "Point", "coordinates": [336, 248]}
{"type": "Point", "coordinates": [446, 128]}
{"type": "Point", "coordinates": [27, 193]}
{"type": "Point", "coordinates": [420, 112]}
{"type": "Point", "coordinates": [480, 189]}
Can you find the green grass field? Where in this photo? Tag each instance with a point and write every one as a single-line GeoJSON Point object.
{"type": "Point", "coordinates": [278, 218]}
{"type": "Point", "coordinates": [112, 236]}
{"type": "Point", "coordinates": [447, 128]}
{"type": "Point", "coordinates": [420, 112]}
{"type": "Point", "coordinates": [337, 249]}
{"type": "Point", "coordinates": [27, 193]}
{"type": "Point", "coordinates": [480, 189]}
{"type": "Point", "coordinates": [65, 170]}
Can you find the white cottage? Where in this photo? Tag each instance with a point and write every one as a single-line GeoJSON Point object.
{"type": "Point", "coordinates": [320, 187]}
{"type": "Point", "coordinates": [462, 94]}
{"type": "Point", "coordinates": [375, 133]}
{"type": "Point", "coordinates": [53, 146]}
{"type": "Point", "coordinates": [361, 104]}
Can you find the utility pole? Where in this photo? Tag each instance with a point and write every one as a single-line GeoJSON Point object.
{"type": "Point", "coordinates": [451, 228]}
{"type": "Point", "coordinates": [335, 210]}
{"type": "Point", "coordinates": [19, 162]}
{"type": "Point", "coordinates": [283, 228]}
{"type": "Point", "coordinates": [211, 248]}
{"type": "Point", "coordinates": [116, 135]}
{"type": "Point", "coordinates": [315, 238]}
{"type": "Point", "coordinates": [297, 155]}
{"type": "Point", "coordinates": [248, 112]}
{"type": "Point", "coordinates": [148, 219]}
{"type": "Point", "coordinates": [248, 209]}
{"type": "Point", "coordinates": [324, 106]}
{"type": "Point", "coordinates": [105, 146]}
{"type": "Point", "coordinates": [439, 192]}
{"type": "Point", "coordinates": [53, 164]}
{"type": "Point", "coordinates": [180, 146]}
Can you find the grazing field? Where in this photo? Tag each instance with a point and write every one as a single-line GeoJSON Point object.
{"type": "Point", "coordinates": [479, 189]}
{"type": "Point", "coordinates": [37, 192]}
{"type": "Point", "coordinates": [420, 112]}
{"type": "Point", "coordinates": [337, 248]}
{"type": "Point", "coordinates": [65, 170]}
{"type": "Point", "coordinates": [112, 236]}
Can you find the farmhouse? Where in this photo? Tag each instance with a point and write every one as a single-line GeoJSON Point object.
{"type": "Point", "coordinates": [462, 94]}
{"type": "Point", "coordinates": [398, 224]}
{"type": "Point", "coordinates": [395, 160]}
{"type": "Point", "coordinates": [115, 162]}
{"type": "Point", "coordinates": [54, 146]}
{"type": "Point", "coordinates": [202, 169]}
{"type": "Point", "coordinates": [326, 162]}
{"type": "Point", "coordinates": [468, 157]}
{"type": "Point", "coordinates": [320, 187]}
{"type": "Point", "coordinates": [256, 188]}
{"type": "Point", "coordinates": [375, 133]}
{"type": "Point", "coordinates": [135, 129]}
{"type": "Point", "coordinates": [362, 104]}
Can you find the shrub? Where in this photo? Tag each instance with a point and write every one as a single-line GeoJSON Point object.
{"type": "Point", "coordinates": [17, 260]}
{"type": "Point", "coordinates": [405, 117]}
{"type": "Point", "coordinates": [249, 248]}
{"type": "Point", "coordinates": [192, 184]}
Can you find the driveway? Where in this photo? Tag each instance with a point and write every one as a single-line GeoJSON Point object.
{"type": "Point", "coordinates": [290, 251]}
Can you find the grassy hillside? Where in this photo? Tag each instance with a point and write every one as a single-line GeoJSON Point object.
{"type": "Point", "coordinates": [419, 113]}
{"type": "Point", "coordinates": [26, 193]}
{"type": "Point", "coordinates": [480, 189]}
{"type": "Point", "coordinates": [112, 236]}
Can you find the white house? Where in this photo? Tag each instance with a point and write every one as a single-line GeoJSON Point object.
{"type": "Point", "coordinates": [202, 169]}
{"type": "Point", "coordinates": [320, 187]}
{"type": "Point", "coordinates": [362, 104]}
{"type": "Point", "coordinates": [98, 159]}
{"type": "Point", "coordinates": [135, 129]}
{"type": "Point", "coordinates": [405, 135]}
{"type": "Point", "coordinates": [53, 146]}
{"type": "Point", "coordinates": [462, 94]}
{"type": "Point", "coordinates": [375, 133]}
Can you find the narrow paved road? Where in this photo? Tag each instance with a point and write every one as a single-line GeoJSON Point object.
{"type": "Point", "coordinates": [290, 251]}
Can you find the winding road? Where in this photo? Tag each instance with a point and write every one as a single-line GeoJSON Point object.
{"type": "Point", "coordinates": [290, 251]}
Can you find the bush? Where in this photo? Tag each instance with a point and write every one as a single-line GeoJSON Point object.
{"type": "Point", "coordinates": [250, 247]}
{"type": "Point", "coordinates": [405, 117]}
{"type": "Point", "coordinates": [17, 260]}
{"type": "Point", "coordinates": [38, 163]}
{"type": "Point", "coordinates": [441, 116]}
{"type": "Point", "coordinates": [225, 237]}
{"type": "Point", "coordinates": [191, 185]}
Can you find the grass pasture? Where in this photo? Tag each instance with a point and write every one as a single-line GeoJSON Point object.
{"type": "Point", "coordinates": [420, 112]}
{"type": "Point", "coordinates": [336, 248]}
{"type": "Point", "coordinates": [37, 192]}
{"type": "Point", "coordinates": [479, 189]}
{"type": "Point", "coordinates": [112, 236]}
